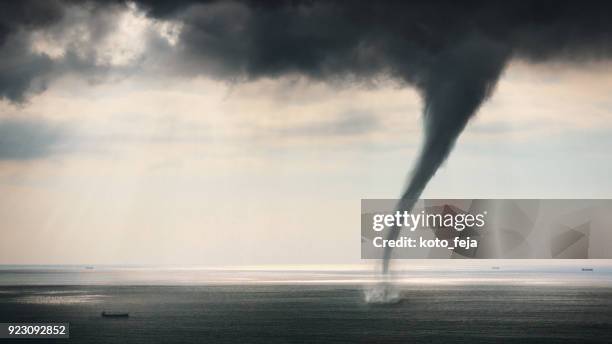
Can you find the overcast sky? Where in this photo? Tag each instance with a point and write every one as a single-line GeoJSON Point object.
{"type": "Point", "coordinates": [111, 151]}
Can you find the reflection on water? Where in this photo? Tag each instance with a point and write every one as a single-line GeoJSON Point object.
{"type": "Point", "coordinates": [50, 296]}
{"type": "Point", "coordinates": [24, 276]}
{"type": "Point", "coordinates": [45, 299]}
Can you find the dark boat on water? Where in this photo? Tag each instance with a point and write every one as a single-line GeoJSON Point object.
{"type": "Point", "coordinates": [587, 269]}
{"type": "Point", "coordinates": [115, 314]}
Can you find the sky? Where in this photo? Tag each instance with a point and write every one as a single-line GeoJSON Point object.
{"type": "Point", "coordinates": [114, 151]}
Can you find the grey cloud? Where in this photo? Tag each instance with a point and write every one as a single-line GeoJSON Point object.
{"type": "Point", "coordinates": [25, 139]}
{"type": "Point", "coordinates": [24, 71]}
{"type": "Point", "coordinates": [20, 68]}
{"type": "Point", "coordinates": [28, 15]}
{"type": "Point", "coordinates": [352, 123]}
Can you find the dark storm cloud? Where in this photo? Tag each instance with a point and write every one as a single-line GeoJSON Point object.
{"type": "Point", "coordinates": [24, 139]}
{"type": "Point", "coordinates": [350, 40]}
{"type": "Point", "coordinates": [324, 39]}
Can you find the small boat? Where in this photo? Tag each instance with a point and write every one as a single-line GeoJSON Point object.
{"type": "Point", "coordinates": [495, 267]}
{"type": "Point", "coordinates": [587, 269]}
{"type": "Point", "coordinates": [89, 268]}
{"type": "Point", "coordinates": [115, 314]}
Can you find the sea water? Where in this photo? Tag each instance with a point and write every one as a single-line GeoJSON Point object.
{"type": "Point", "coordinates": [435, 308]}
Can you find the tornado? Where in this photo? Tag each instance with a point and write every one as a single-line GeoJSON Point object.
{"type": "Point", "coordinates": [457, 83]}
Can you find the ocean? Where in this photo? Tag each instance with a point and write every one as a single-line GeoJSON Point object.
{"type": "Point", "coordinates": [493, 307]}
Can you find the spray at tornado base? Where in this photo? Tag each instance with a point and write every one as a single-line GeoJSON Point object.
{"type": "Point", "coordinates": [452, 52]}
